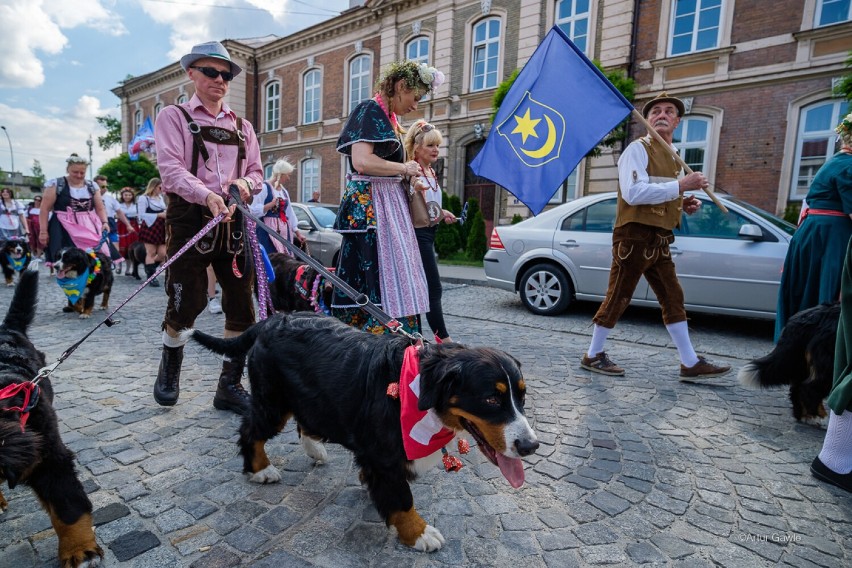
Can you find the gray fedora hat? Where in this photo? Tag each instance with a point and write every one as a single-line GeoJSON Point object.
{"type": "Point", "coordinates": [212, 49]}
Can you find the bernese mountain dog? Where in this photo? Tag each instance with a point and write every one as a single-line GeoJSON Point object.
{"type": "Point", "coordinates": [84, 275]}
{"type": "Point", "coordinates": [297, 286]}
{"type": "Point", "coordinates": [15, 257]}
{"type": "Point", "coordinates": [803, 359]}
{"type": "Point", "coordinates": [135, 259]}
{"type": "Point", "coordinates": [31, 449]}
{"type": "Point", "coordinates": [334, 381]}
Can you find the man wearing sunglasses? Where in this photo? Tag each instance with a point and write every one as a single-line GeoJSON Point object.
{"type": "Point", "coordinates": [203, 148]}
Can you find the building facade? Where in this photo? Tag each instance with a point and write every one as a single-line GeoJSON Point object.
{"type": "Point", "coordinates": [757, 83]}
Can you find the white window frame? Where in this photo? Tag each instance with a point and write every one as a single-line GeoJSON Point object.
{"type": "Point", "coordinates": [137, 121]}
{"type": "Point", "coordinates": [483, 46]}
{"type": "Point", "coordinates": [157, 108]}
{"type": "Point", "coordinates": [272, 106]}
{"type": "Point", "coordinates": [361, 91]}
{"type": "Point", "coordinates": [703, 145]}
{"type": "Point", "coordinates": [182, 99]}
{"type": "Point", "coordinates": [267, 171]}
{"type": "Point", "coordinates": [819, 10]}
{"type": "Point", "coordinates": [840, 106]}
{"type": "Point", "coordinates": [312, 93]}
{"type": "Point", "coordinates": [695, 29]}
{"type": "Point", "coordinates": [418, 41]}
{"type": "Point", "coordinates": [309, 178]}
{"type": "Point", "coordinates": [571, 21]}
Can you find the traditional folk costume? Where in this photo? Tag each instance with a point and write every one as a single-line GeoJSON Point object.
{"type": "Point", "coordinates": [125, 236]}
{"type": "Point", "coordinates": [281, 218]}
{"type": "Point", "coordinates": [379, 255]}
{"type": "Point", "coordinates": [73, 201]}
{"type": "Point", "coordinates": [812, 269]}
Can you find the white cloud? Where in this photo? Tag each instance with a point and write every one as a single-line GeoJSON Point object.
{"type": "Point", "coordinates": [51, 137]}
{"type": "Point", "coordinates": [30, 27]}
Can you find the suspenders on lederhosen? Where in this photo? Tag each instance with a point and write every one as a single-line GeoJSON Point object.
{"type": "Point", "coordinates": [217, 135]}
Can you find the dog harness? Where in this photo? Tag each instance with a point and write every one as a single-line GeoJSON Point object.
{"type": "Point", "coordinates": [30, 391]}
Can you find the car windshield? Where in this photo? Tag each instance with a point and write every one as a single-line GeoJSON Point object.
{"type": "Point", "coordinates": [325, 216]}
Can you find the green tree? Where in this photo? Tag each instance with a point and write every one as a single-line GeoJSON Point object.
{"type": "Point", "coordinates": [123, 172]}
{"type": "Point", "coordinates": [38, 173]}
{"type": "Point", "coordinates": [516, 218]}
{"type": "Point", "coordinates": [477, 244]}
{"type": "Point", "coordinates": [844, 86]}
{"type": "Point", "coordinates": [453, 204]}
{"type": "Point", "coordinates": [113, 134]}
{"type": "Point", "coordinates": [619, 79]}
{"type": "Point", "coordinates": [447, 242]}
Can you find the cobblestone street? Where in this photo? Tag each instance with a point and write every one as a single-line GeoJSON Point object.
{"type": "Point", "coordinates": [635, 470]}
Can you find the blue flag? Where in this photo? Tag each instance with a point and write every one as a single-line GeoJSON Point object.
{"type": "Point", "coordinates": [143, 141]}
{"type": "Point", "coordinates": [559, 107]}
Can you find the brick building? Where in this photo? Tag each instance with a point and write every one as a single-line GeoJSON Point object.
{"type": "Point", "coordinates": [757, 83]}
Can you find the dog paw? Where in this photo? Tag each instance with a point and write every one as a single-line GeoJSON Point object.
{"type": "Point", "coordinates": [82, 558]}
{"type": "Point", "coordinates": [314, 449]}
{"type": "Point", "coordinates": [85, 316]}
{"type": "Point", "coordinates": [430, 540]}
{"type": "Point", "coordinates": [267, 475]}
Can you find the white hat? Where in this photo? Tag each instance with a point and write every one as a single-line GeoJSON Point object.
{"type": "Point", "coordinates": [212, 49]}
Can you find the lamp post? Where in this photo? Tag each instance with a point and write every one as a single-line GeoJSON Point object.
{"type": "Point", "coordinates": [11, 154]}
{"type": "Point", "coordinates": [91, 166]}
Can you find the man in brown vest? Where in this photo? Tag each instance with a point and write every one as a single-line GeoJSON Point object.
{"type": "Point", "coordinates": [650, 201]}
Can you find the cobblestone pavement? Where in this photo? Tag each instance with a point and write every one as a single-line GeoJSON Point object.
{"type": "Point", "coordinates": [635, 470]}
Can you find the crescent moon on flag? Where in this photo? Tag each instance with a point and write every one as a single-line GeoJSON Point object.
{"type": "Point", "coordinates": [548, 145]}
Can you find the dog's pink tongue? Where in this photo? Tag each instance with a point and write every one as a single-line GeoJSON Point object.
{"type": "Point", "coordinates": [512, 469]}
{"type": "Point", "coordinates": [60, 274]}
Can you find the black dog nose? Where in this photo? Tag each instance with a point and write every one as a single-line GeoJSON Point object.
{"type": "Point", "coordinates": [526, 447]}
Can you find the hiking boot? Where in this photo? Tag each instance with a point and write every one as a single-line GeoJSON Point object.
{"type": "Point", "coordinates": [702, 369]}
{"type": "Point", "coordinates": [602, 364]}
{"type": "Point", "coordinates": [230, 394]}
{"type": "Point", "coordinates": [167, 387]}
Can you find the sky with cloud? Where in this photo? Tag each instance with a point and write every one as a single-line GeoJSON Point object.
{"type": "Point", "coordinates": [61, 58]}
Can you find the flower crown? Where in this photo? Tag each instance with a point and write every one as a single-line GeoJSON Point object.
{"type": "Point", "coordinates": [75, 159]}
{"type": "Point", "coordinates": [845, 126]}
{"type": "Point", "coordinates": [416, 75]}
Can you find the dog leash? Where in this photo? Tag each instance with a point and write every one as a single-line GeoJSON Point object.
{"type": "Point", "coordinates": [46, 371]}
{"type": "Point", "coordinates": [359, 298]}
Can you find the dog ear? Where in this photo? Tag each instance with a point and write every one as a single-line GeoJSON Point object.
{"type": "Point", "coordinates": [440, 369]}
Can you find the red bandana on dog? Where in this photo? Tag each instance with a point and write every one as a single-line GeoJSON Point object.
{"type": "Point", "coordinates": [422, 431]}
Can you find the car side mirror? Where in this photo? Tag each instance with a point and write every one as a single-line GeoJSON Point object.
{"type": "Point", "coordinates": [305, 226]}
{"type": "Point", "coordinates": [750, 232]}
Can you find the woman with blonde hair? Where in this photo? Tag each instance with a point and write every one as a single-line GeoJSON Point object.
{"type": "Point", "coordinates": [379, 256]}
{"type": "Point", "coordinates": [151, 212]}
{"type": "Point", "coordinates": [272, 206]}
{"type": "Point", "coordinates": [422, 143]}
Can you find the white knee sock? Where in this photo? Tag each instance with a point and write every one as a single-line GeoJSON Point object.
{"type": "Point", "coordinates": [836, 451]}
{"type": "Point", "coordinates": [599, 336]}
{"type": "Point", "coordinates": [680, 335]}
{"type": "Point", "coordinates": [170, 341]}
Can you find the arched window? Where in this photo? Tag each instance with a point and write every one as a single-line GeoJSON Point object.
{"type": "Point", "coordinates": [691, 137]}
{"type": "Point", "coordinates": [157, 108]}
{"type": "Point", "coordinates": [418, 50]}
{"type": "Point", "coordinates": [273, 105]}
{"type": "Point", "coordinates": [312, 96]}
{"type": "Point", "coordinates": [572, 17]}
{"type": "Point", "coordinates": [695, 25]}
{"type": "Point", "coordinates": [182, 99]}
{"type": "Point", "coordinates": [816, 142]}
{"type": "Point", "coordinates": [360, 80]}
{"type": "Point", "coordinates": [309, 178]}
{"type": "Point", "coordinates": [137, 121]}
{"type": "Point", "coordinates": [485, 58]}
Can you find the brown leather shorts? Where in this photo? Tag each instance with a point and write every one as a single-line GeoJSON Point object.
{"type": "Point", "coordinates": [186, 278]}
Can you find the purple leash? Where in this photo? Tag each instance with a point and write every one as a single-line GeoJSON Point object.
{"type": "Point", "coordinates": [264, 301]}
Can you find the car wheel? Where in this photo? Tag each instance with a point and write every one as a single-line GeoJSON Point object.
{"type": "Point", "coordinates": [545, 290]}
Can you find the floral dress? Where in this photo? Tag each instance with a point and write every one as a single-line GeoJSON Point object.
{"type": "Point", "coordinates": [379, 255]}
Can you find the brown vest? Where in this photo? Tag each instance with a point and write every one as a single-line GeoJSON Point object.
{"type": "Point", "coordinates": [661, 168]}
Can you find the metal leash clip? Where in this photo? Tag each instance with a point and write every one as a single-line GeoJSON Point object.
{"type": "Point", "coordinates": [45, 372]}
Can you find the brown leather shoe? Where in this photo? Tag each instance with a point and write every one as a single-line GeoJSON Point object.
{"type": "Point", "coordinates": [702, 369]}
{"type": "Point", "coordinates": [602, 364]}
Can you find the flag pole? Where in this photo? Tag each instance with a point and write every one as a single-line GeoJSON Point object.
{"type": "Point", "coordinates": [641, 119]}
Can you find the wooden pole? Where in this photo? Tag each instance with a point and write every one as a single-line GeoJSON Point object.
{"type": "Point", "coordinates": [641, 119]}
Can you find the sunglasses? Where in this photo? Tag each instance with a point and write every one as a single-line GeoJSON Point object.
{"type": "Point", "coordinates": [213, 73]}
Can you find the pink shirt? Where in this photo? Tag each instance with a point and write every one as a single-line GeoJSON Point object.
{"type": "Point", "coordinates": [175, 149]}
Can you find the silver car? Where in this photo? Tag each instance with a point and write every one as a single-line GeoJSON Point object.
{"type": "Point", "coordinates": [315, 223]}
{"type": "Point", "coordinates": [727, 264]}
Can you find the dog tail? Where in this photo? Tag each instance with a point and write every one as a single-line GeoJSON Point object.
{"type": "Point", "coordinates": [22, 309]}
{"type": "Point", "coordinates": [18, 451]}
{"type": "Point", "coordinates": [232, 346]}
{"type": "Point", "coordinates": [789, 362]}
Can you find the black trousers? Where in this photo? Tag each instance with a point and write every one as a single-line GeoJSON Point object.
{"type": "Point", "coordinates": [435, 316]}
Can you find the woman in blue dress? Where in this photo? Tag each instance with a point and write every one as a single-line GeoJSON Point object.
{"type": "Point", "coordinates": [814, 262]}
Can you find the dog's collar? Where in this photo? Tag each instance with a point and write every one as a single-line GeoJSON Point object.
{"type": "Point", "coordinates": [17, 264]}
{"type": "Point", "coordinates": [97, 269]}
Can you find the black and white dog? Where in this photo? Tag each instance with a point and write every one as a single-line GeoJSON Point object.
{"type": "Point", "coordinates": [333, 380]}
{"type": "Point", "coordinates": [83, 276]}
{"type": "Point", "coordinates": [15, 257]}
